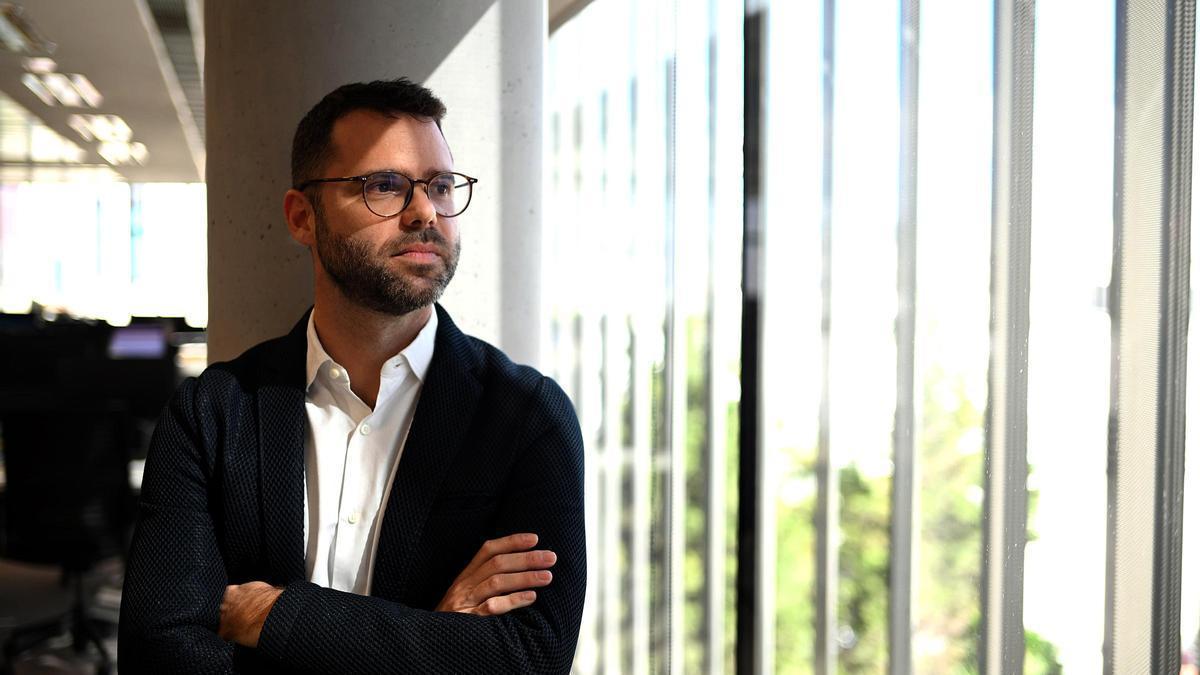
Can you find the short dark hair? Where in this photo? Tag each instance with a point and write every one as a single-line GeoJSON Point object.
{"type": "Point", "coordinates": [401, 96]}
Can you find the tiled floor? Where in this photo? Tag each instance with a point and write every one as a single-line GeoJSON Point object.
{"type": "Point", "coordinates": [30, 593]}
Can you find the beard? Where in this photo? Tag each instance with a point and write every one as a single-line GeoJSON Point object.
{"type": "Point", "coordinates": [369, 278]}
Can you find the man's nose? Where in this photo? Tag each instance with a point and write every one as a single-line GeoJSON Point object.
{"type": "Point", "coordinates": [419, 214]}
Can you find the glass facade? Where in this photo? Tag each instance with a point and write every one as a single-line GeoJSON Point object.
{"type": "Point", "coordinates": [644, 242]}
{"type": "Point", "coordinates": [77, 239]}
{"type": "Point", "coordinates": [873, 156]}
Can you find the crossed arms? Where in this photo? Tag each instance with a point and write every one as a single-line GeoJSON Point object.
{"type": "Point", "coordinates": [181, 611]}
{"type": "Point", "coordinates": [499, 579]}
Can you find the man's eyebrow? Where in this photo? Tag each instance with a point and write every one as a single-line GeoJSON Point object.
{"type": "Point", "coordinates": [430, 174]}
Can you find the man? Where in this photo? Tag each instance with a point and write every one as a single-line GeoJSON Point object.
{"type": "Point", "coordinates": [375, 491]}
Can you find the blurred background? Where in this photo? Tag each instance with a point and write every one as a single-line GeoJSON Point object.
{"type": "Point", "coordinates": [875, 313]}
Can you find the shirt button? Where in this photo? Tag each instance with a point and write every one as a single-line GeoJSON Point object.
{"type": "Point", "coordinates": [335, 373]}
{"type": "Point", "coordinates": [365, 429]}
{"type": "Point", "coordinates": [352, 518]}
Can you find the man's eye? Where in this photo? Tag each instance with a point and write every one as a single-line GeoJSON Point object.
{"type": "Point", "coordinates": [443, 186]}
{"type": "Point", "coordinates": [385, 184]}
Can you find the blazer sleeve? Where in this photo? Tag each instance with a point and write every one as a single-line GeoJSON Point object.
{"type": "Point", "coordinates": [175, 577]}
{"type": "Point", "coordinates": [317, 629]}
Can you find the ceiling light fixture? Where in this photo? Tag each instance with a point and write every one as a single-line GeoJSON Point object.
{"type": "Point", "coordinates": [60, 85]}
{"type": "Point", "coordinates": [87, 90]}
{"type": "Point", "coordinates": [40, 65]}
{"type": "Point", "coordinates": [18, 34]}
{"type": "Point", "coordinates": [71, 89]}
{"type": "Point", "coordinates": [80, 125]}
{"type": "Point", "coordinates": [101, 127]}
{"type": "Point", "coordinates": [120, 130]}
{"type": "Point", "coordinates": [138, 152]}
{"type": "Point", "coordinates": [120, 153]}
{"type": "Point", "coordinates": [34, 84]}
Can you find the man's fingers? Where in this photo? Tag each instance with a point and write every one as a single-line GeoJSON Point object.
{"type": "Point", "coordinates": [501, 584]}
{"type": "Point", "coordinates": [517, 562]}
{"type": "Point", "coordinates": [491, 548]}
{"type": "Point", "coordinates": [503, 604]}
{"type": "Point", "coordinates": [503, 555]}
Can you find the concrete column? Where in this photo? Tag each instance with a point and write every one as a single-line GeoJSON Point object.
{"type": "Point", "coordinates": [267, 62]}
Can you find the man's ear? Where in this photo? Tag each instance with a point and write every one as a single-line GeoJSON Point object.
{"type": "Point", "coordinates": [301, 217]}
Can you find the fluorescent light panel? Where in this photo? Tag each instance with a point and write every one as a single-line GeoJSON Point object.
{"type": "Point", "coordinates": [40, 65]}
{"type": "Point", "coordinates": [81, 127]}
{"type": "Point", "coordinates": [118, 152]}
{"type": "Point", "coordinates": [102, 128]}
{"type": "Point", "coordinates": [87, 90]}
{"type": "Point", "coordinates": [34, 84]}
{"type": "Point", "coordinates": [60, 85]}
{"type": "Point", "coordinates": [11, 36]}
{"type": "Point", "coordinates": [73, 90]}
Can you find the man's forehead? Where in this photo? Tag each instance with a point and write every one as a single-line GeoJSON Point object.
{"type": "Point", "coordinates": [372, 137]}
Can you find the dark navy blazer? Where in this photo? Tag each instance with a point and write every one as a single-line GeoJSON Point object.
{"type": "Point", "coordinates": [494, 449]}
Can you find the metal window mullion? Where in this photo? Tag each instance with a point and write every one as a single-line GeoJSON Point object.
{"type": "Point", "coordinates": [1149, 301]}
{"type": "Point", "coordinates": [724, 247]}
{"type": "Point", "coordinates": [1176, 290]}
{"type": "Point", "coordinates": [643, 441]}
{"type": "Point", "coordinates": [643, 477]}
{"type": "Point", "coordinates": [904, 430]}
{"type": "Point", "coordinates": [595, 477]}
{"type": "Point", "coordinates": [614, 474]}
{"type": "Point", "coordinates": [1005, 473]}
{"type": "Point", "coordinates": [714, 451]}
{"type": "Point", "coordinates": [749, 651]}
{"type": "Point", "coordinates": [826, 513]}
{"type": "Point", "coordinates": [676, 368]}
{"type": "Point", "coordinates": [596, 165]}
{"type": "Point", "coordinates": [646, 334]}
{"type": "Point", "coordinates": [570, 317]}
{"type": "Point", "coordinates": [591, 380]}
{"type": "Point", "coordinates": [624, 432]}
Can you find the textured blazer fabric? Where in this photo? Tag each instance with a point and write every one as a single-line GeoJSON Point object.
{"type": "Point", "coordinates": [494, 449]}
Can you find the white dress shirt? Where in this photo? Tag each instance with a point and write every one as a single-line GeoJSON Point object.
{"type": "Point", "coordinates": [350, 458]}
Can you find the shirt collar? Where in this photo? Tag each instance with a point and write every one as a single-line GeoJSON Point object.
{"type": "Point", "coordinates": [419, 352]}
{"type": "Point", "coordinates": [316, 354]}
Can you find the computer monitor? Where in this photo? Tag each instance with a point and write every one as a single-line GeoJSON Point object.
{"type": "Point", "coordinates": [138, 341]}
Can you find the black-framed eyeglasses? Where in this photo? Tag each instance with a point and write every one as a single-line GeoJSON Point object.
{"type": "Point", "coordinates": [387, 193]}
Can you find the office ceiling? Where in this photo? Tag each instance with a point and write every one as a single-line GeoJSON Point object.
{"type": "Point", "coordinates": [145, 57]}
{"type": "Point", "coordinates": [142, 58]}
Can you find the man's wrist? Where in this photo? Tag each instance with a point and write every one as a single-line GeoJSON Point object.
{"type": "Point", "coordinates": [244, 610]}
{"type": "Point", "coordinates": [264, 600]}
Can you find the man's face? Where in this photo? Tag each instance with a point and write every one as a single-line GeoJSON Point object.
{"type": "Point", "coordinates": [389, 265]}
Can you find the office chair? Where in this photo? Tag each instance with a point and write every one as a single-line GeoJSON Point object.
{"type": "Point", "coordinates": [67, 502]}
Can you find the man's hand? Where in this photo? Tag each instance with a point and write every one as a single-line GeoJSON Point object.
{"type": "Point", "coordinates": [499, 577]}
{"type": "Point", "coordinates": [244, 610]}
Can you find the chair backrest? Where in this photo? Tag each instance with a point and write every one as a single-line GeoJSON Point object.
{"type": "Point", "coordinates": [67, 497]}
{"type": "Point", "coordinates": [69, 404]}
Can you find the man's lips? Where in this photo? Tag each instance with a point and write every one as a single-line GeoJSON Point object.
{"type": "Point", "coordinates": [419, 253]}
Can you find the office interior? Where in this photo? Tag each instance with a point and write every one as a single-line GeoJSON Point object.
{"type": "Point", "coordinates": [875, 314]}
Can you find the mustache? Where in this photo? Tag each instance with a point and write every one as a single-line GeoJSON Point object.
{"type": "Point", "coordinates": [425, 236]}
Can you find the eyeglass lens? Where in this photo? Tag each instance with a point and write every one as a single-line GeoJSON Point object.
{"type": "Point", "coordinates": [387, 193]}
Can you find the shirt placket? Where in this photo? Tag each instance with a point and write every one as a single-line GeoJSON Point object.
{"type": "Point", "coordinates": [347, 548]}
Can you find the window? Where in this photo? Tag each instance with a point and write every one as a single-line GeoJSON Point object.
{"type": "Point", "coordinates": [876, 321]}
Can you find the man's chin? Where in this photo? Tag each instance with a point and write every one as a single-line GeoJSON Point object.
{"type": "Point", "coordinates": [418, 293]}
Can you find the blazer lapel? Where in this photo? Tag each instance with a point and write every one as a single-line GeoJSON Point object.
{"type": "Point", "coordinates": [281, 425]}
{"type": "Point", "coordinates": [449, 397]}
